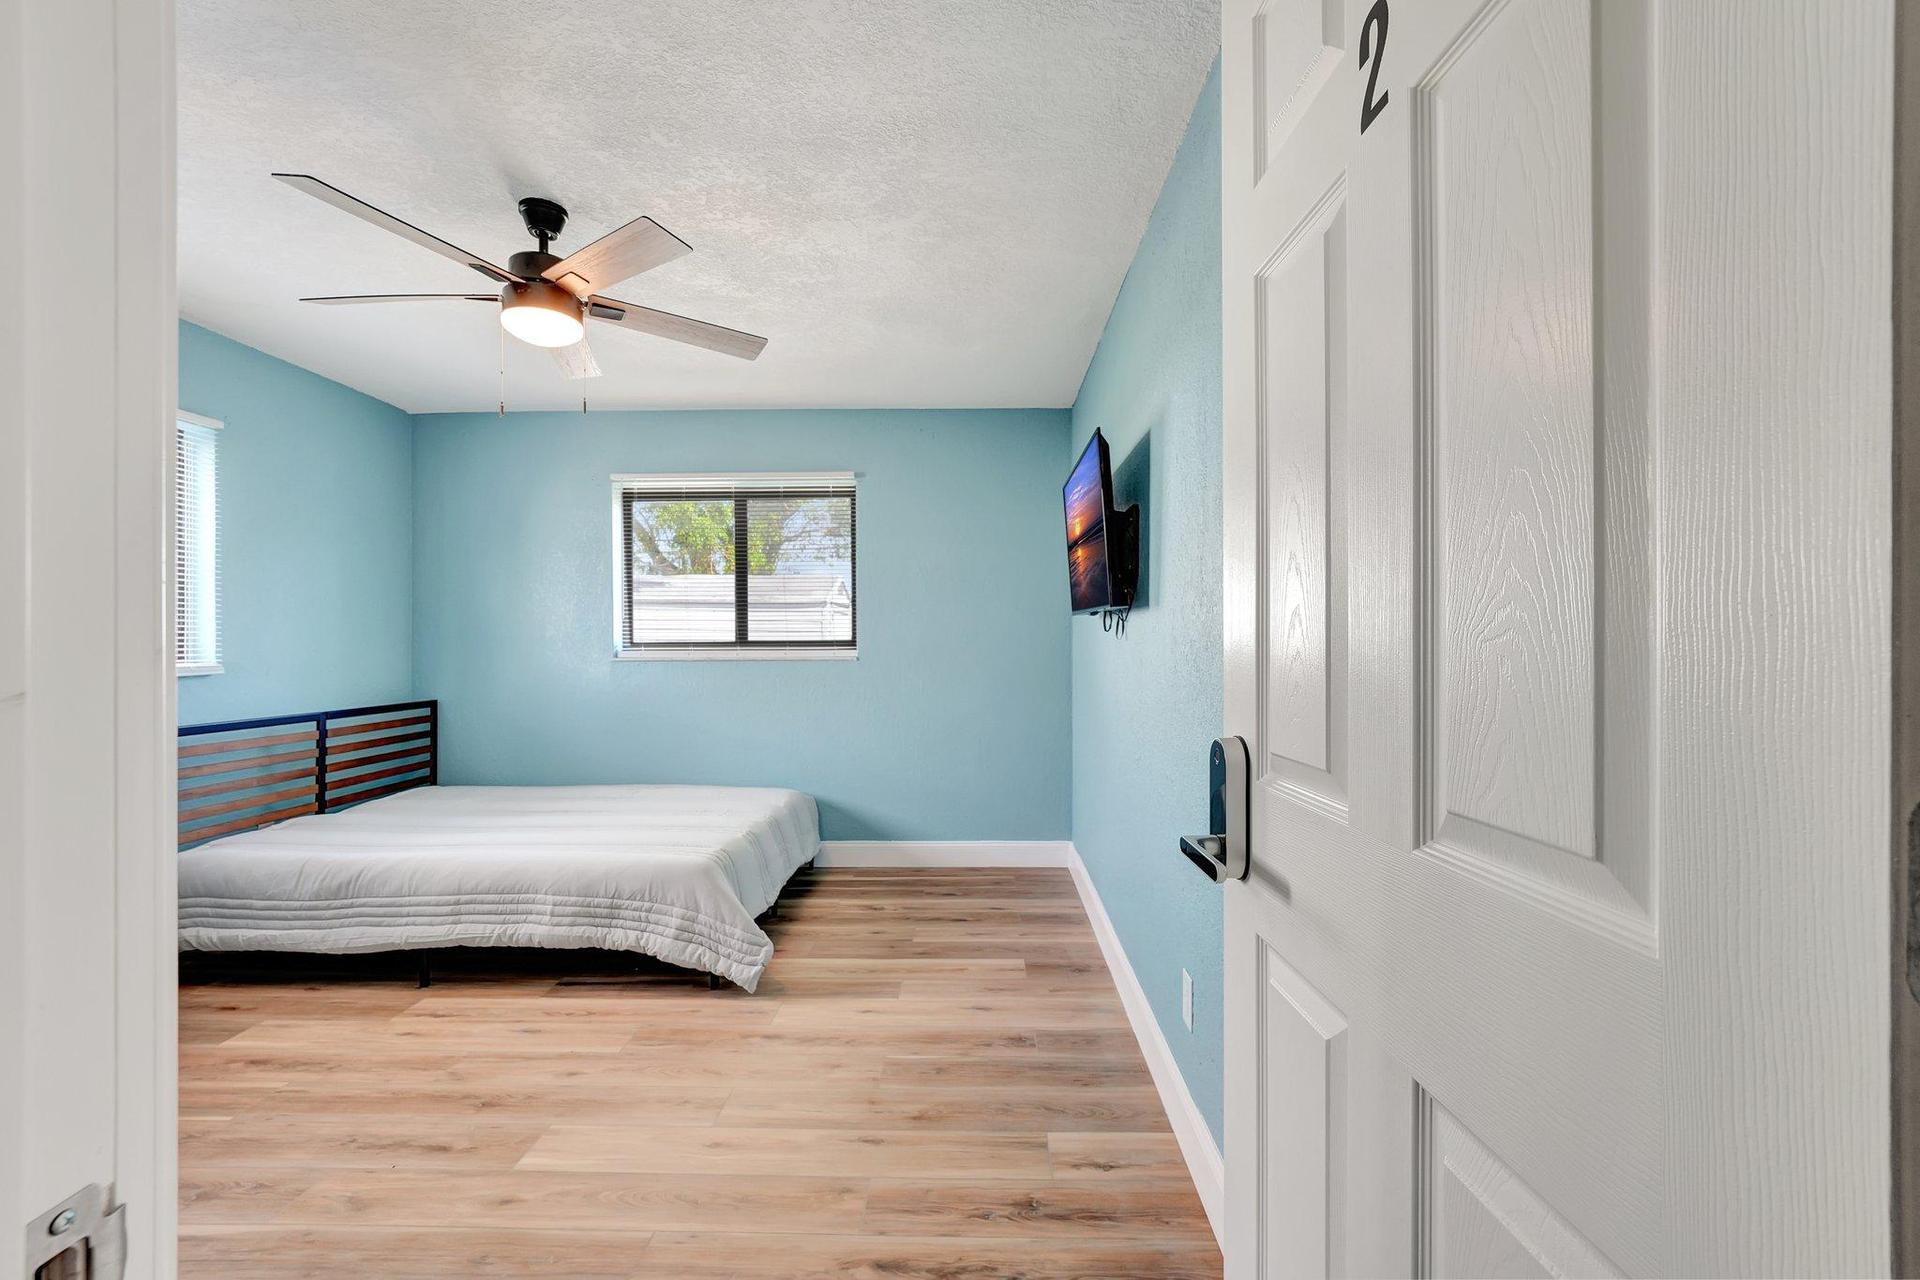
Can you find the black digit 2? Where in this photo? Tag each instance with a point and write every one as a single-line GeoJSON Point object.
{"type": "Point", "coordinates": [1370, 106]}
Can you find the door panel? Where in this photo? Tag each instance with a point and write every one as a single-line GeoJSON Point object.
{"type": "Point", "coordinates": [1477, 1219]}
{"type": "Point", "coordinates": [1301, 300]}
{"type": "Point", "coordinates": [1303, 1092]}
{"type": "Point", "coordinates": [1505, 204]}
{"type": "Point", "coordinates": [1467, 485]}
{"type": "Point", "coordinates": [1296, 47]}
{"type": "Point", "coordinates": [1536, 509]}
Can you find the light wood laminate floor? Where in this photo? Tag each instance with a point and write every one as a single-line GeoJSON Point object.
{"type": "Point", "coordinates": [936, 1078]}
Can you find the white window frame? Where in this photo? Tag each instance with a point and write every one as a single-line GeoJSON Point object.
{"type": "Point", "coordinates": [211, 578]}
{"type": "Point", "coordinates": [727, 482]}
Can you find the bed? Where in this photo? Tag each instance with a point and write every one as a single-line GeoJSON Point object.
{"type": "Point", "coordinates": [346, 843]}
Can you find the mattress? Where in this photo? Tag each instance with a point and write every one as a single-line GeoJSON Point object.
{"type": "Point", "coordinates": [675, 872]}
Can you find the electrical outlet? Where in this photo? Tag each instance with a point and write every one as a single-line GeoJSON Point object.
{"type": "Point", "coordinates": [1186, 998]}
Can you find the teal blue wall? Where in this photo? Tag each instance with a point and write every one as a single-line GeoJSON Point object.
{"type": "Point", "coordinates": [1146, 705]}
{"type": "Point", "coordinates": [316, 527]}
{"type": "Point", "coordinates": [952, 724]}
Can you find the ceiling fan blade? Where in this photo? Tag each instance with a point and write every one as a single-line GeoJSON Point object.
{"type": "Point", "coordinates": [577, 360]}
{"type": "Point", "coordinates": [664, 324]}
{"type": "Point", "coordinates": [406, 297]}
{"type": "Point", "coordinates": [387, 222]}
{"type": "Point", "coordinates": [641, 245]}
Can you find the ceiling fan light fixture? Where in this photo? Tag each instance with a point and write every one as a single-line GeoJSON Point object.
{"type": "Point", "coordinates": [533, 308]}
{"type": "Point", "coordinates": [541, 313]}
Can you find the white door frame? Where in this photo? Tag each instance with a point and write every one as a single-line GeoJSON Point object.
{"type": "Point", "coordinates": [87, 388]}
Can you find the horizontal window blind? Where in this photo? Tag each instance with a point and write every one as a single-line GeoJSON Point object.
{"type": "Point", "coordinates": [196, 546]}
{"type": "Point", "coordinates": [736, 565]}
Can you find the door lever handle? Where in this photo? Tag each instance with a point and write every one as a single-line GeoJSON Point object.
{"type": "Point", "coordinates": [1209, 853]}
{"type": "Point", "coordinates": [1222, 853]}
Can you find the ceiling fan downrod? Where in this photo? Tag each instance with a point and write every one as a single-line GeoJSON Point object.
{"type": "Point", "coordinates": [544, 218]}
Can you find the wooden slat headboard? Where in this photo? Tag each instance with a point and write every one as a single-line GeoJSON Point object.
{"type": "Point", "coordinates": [236, 775]}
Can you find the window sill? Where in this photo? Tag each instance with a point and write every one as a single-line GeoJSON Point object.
{"type": "Point", "coordinates": [204, 669]}
{"type": "Point", "coordinates": [737, 655]}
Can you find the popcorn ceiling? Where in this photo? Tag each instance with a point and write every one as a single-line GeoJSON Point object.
{"type": "Point", "coordinates": [921, 203]}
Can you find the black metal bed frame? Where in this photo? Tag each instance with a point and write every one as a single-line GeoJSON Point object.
{"type": "Point", "coordinates": [268, 769]}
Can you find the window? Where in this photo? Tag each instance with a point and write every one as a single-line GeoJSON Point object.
{"type": "Point", "coordinates": [196, 546]}
{"type": "Point", "coordinates": [735, 566]}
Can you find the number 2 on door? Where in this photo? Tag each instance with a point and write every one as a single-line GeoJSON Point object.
{"type": "Point", "coordinates": [1376, 23]}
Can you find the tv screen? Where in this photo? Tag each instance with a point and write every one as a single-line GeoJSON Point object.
{"type": "Point", "coordinates": [1087, 501]}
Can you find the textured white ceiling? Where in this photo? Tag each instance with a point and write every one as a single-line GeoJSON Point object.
{"type": "Point", "coordinates": [920, 202]}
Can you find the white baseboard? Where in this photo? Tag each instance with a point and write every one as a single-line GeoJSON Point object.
{"type": "Point", "coordinates": [943, 853]}
{"type": "Point", "coordinates": [1189, 1126]}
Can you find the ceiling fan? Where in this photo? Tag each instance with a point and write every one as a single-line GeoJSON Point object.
{"type": "Point", "coordinates": [544, 299]}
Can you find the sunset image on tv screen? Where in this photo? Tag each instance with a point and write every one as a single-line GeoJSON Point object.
{"type": "Point", "coordinates": [1087, 533]}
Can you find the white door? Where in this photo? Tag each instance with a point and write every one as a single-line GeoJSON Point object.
{"type": "Point", "coordinates": [1557, 461]}
{"type": "Point", "coordinates": [86, 705]}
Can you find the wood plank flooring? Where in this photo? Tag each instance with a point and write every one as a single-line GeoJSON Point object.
{"type": "Point", "coordinates": [936, 1079]}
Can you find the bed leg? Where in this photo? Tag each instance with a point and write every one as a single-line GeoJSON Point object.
{"type": "Point", "coordinates": [713, 982]}
{"type": "Point", "coordinates": [426, 970]}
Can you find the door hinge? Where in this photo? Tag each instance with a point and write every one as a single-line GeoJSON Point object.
{"type": "Point", "coordinates": [84, 1237]}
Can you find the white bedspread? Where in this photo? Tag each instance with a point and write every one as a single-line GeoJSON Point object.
{"type": "Point", "coordinates": [675, 872]}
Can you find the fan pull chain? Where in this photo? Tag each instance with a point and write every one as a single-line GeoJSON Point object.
{"type": "Point", "coordinates": [503, 371]}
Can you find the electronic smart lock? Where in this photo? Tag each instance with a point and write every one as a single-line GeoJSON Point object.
{"type": "Point", "coordinates": [1222, 852]}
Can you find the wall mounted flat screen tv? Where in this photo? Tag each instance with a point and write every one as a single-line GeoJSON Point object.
{"type": "Point", "coordinates": [1101, 538]}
